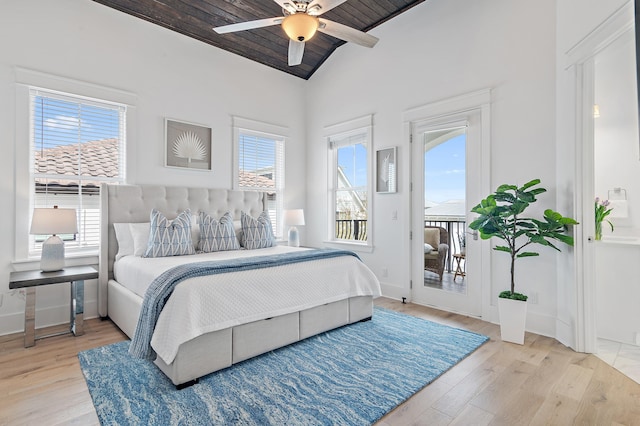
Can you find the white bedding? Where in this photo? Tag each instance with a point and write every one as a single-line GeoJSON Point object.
{"type": "Point", "coordinates": [197, 307]}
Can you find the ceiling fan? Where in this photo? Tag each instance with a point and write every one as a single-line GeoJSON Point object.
{"type": "Point", "coordinates": [300, 22]}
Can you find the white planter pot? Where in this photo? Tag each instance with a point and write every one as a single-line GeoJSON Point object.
{"type": "Point", "coordinates": [513, 316]}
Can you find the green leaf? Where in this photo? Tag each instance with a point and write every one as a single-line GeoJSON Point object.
{"type": "Point", "coordinates": [527, 196]}
{"type": "Point", "coordinates": [568, 221]}
{"type": "Point", "coordinates": [537, 191]}
{"type": "Point", "coordinates": [502, 248]}
{"type": "Point", "coordinates": [551, 215]}
{"type": "Point", "coordinates": [505, 187]}
{"type": "Point", "coordinates": [527, 254]}
{"type": "Point", "coordinates": [529, 184]}
{"type": "Point", "coordinates": [505, 197]}
{"type": "Point", "coordinates": [567, 239]}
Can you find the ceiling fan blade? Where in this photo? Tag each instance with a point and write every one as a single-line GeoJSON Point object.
{"type": "Point", "coordinates": [287, 5]}
{"type": "Point", "coordinates": [296, 50]}
{"type": "Point", "coordinates": [346, 33]}
{"type": "Point", "coordinates": [249, 25]}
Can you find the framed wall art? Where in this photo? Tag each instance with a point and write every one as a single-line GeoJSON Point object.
{"type": "Point", "coordinates": [386, 171]}
{"type": "Point", "coordinates": [187, 145]}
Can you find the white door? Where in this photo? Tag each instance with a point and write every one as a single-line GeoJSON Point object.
{"type": "Point", "coordinates": [464, 294]}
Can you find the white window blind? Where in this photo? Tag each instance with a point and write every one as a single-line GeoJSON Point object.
{"type": "Point", "coordinates": [261, 168]}
{"type": "Point", "coordinates": [76, 144]}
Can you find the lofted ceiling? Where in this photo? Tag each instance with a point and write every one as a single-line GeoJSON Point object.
{"type": "Point", "coordinates": [269, 45]}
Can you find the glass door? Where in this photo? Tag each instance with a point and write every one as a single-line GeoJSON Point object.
{"type": "Point", "coordinates": [446, 170]}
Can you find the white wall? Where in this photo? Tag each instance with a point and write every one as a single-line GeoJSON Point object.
{"type": "Point", "coordinates": [437, 50]}
{"type": "Point", "coordinates": [168, 75]}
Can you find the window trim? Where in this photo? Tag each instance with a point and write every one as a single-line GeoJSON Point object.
{"type": "Point", "coordinates": [266, 130]}
{"type": "Point", "coordinates": [343, 130]}
{"type": "Point", "coordinates": [25, 80]}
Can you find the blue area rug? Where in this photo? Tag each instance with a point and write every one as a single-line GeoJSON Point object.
{"type": "Point", "coordinates": [353, 375]}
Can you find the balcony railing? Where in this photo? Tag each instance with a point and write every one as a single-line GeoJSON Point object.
{"type": "Point", "coordinates": [457, 230]}
{"type": "Point", "coordinates": [356, 230]}
{"type": "Point", "coordinates": [351, 229]}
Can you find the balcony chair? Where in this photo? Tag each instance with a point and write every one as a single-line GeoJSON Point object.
{"type": "Point", "coordinates": [435, 253]}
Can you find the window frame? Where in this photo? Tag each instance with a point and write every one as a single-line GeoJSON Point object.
{"type": "Point", "coordinates": [360, 126]}
{"type": "Point", "coordinates": [280, 135]}
{"type": "Point", "coordinates": [25, 80]}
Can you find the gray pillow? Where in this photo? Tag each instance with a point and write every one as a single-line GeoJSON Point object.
{"type": "Point", "coordinates": [169, 238]}
{"type": "Point", "coordinates": [256, 232]}
{"type": "Point", "coordinates": [217, 235]}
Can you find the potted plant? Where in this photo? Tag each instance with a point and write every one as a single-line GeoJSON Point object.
{"type": "Point", "coordinates": [501, 215]}
{"type": "Point", "coordinates": [602, 210]}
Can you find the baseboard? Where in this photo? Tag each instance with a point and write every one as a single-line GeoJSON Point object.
{"type": "Point", "coordinates": [543, 325]}
{"type": "Point", "coordinates": [11, 323]}
{"type": "Point", "coordinates": [45, 317]}
{"type": "Point", "coordinates": [396, 293]}
{"type": "Point", "coordinates": [565, 334]}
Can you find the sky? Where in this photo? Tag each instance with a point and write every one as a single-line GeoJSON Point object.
{"type": "Point", "coordinates": [444, 169]}
{"type": "Point", "coordinates": [57, 122]}
{"type": "Point", "coordinates": [353, 161]}
{"type": "Point", "coordinates": [444, 177]}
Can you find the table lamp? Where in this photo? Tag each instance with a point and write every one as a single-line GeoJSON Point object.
{"type": "Point", "coordinates": [47, 221]}
{"type": "Point", "coordinates": [294, 218]}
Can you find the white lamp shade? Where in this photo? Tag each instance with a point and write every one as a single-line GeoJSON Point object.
{"type": "Point", "coordinates": [50, 221]}
{"type": "Point", "coordinates": [294, 217]}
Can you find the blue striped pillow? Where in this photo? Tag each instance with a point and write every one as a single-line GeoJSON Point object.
{"type": "Point", "coordinates": [256, 232]}
{"type": "Point", "coordinates": [217, 235]}
{"type": "Point", "coordinates": [169, 238]}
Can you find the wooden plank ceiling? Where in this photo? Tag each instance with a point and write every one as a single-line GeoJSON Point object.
{"type": "Point", "coordinates": [268, 46]}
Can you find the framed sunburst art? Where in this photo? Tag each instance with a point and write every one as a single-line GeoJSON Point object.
{"type": "Point", "coordinates": [187, 145]}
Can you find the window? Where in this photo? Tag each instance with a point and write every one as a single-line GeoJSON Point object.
{"type": "Point", "coordinates": [260, 167]}
{"type": "Point", "coordinates": [350, 168]}
{"type": "Point", "coordinates": [76, 143]}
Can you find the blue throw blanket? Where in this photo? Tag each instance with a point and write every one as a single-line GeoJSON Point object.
{"type": "Point", "coordinates": [161, 288]}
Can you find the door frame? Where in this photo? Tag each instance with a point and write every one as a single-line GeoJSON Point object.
{"type": "Point", "coordinates": [579, 69]}
{"type": "Point", "coordinates": [447, 110]}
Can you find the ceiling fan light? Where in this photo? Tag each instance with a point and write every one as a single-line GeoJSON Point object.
{"type": "Point", "coordinates": [300, 26]}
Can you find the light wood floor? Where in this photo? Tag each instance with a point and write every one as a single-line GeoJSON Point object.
{"type": "Point", "coordinates": [539, 383]}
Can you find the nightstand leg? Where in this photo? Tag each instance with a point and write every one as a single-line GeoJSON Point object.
{"type": "Point", "coordinates": [77, 308]}
{"type": "Point", "coordinates": [30, 318]}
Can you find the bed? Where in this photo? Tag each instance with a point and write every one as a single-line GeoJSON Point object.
{"type": "Point", "coordinates": [251, 317]}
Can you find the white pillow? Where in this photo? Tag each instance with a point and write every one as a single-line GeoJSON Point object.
{"type": "Point", "coordinates": [125, 240]}
{"type": "Point", "coordinates": [428, 248]}
{"type": "Point", "coordinates": [140, 234]}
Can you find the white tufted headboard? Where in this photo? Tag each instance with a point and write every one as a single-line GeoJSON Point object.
{"type": "Point", "coordinates": [133, 203]}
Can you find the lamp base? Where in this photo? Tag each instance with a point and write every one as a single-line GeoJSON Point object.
{"type": "Point", "coordinates": [294, 237]}
{"type": "Point", "coordinates": [52, 258]}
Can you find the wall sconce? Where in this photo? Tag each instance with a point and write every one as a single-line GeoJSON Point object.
{"type": "Point", "coordinates": [53, 221]}
{"type": "Point", "coordinates": [596, 111]}
{"type": "Point", "coordinates": [294, 218]}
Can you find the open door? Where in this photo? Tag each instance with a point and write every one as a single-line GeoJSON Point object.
{"type": "Point", "coordinates": [447, 177]}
